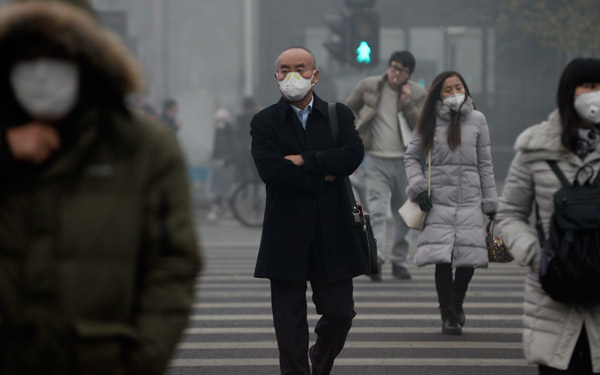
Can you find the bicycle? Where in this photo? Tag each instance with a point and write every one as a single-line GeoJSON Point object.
{"type": "Point", "coordinates": [248, 201]}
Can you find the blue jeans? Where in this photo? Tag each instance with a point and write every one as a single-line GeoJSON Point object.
{"type": "Point", "coordinates": [386, 184]}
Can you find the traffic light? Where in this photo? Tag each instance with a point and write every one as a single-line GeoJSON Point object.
{"type": "Point", "coordinates": [364, 38]}
{"type": "Point", "coordinates": [338, 26]}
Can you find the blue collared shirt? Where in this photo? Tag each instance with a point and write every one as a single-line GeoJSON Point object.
{"type": "Point", "coordinates": [303, 113]}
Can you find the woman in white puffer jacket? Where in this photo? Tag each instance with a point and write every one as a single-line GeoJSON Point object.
{"type": "Point", "coordinates": [462, 190]}
{"type": "Point", "coordinates": [560, 338]}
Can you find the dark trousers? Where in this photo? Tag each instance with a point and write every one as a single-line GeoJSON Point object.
{"type": "Point", "coordinates": [581, 360]}
{"type": "Point", "coordinates": [451, 289]}
{"type": "Point", "coordinates": [333, 301]}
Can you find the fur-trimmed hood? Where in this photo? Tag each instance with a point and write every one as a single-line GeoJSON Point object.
{"type": "Point", "coordinates": [542, 137]}
{"type": "Point", "coordinates": [75, 30]}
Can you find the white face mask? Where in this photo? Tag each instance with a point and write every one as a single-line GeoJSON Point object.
{"type": "Point", "coordinates": [587, 106]}
{"type": "Point", "coordinates": [295, 87]}
{"type": "Point", "coordinates": [454, 101]}
{"type": "Point", "coordinates": [46, 88]}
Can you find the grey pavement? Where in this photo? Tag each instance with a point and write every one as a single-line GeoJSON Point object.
{"type": "Point", "coordinates": [397, 329]}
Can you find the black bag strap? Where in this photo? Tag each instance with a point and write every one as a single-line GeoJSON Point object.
{"type": "Point", "coordinates": [563, 179]}
{"type": "Point", "coordinates": [538, 223]}
{"type": "Point", "coordinates": [597, 180]}
{"type": "Point", "coordinates": [558, 172]}
{"type": "Point", "coordinates": [335, 131]}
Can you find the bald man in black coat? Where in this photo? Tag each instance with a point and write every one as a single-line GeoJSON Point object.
{"type": "Point", "coordinates": [308, 232]}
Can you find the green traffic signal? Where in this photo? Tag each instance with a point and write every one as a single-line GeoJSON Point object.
{"type": "Point", "coordinates": [363, 53]}
{"type": "Point", "coordinates": [363, 31]}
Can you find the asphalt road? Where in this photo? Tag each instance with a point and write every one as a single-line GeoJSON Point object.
{"type": "Point", "coordinates": [397, 329]}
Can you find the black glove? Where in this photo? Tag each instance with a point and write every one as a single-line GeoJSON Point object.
{"type": "Point", "coordinates": [424, 201]}
{"type": "Point", "coordinates": [491, 215]}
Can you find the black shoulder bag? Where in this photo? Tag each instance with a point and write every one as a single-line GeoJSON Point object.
{"type": "Point", "coordinates": [362, 220]}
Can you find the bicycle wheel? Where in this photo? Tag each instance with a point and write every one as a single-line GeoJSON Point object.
{"type": "Point", "coordinates": [248, 203]}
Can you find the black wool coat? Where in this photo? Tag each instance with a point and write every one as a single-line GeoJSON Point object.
{"type": "Point", "coordinates": [299, 200]}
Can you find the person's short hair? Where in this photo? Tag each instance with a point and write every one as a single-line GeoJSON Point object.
{"type": "Point", "coordinates": [578, 72]}
{"type": "Point", "coordinates": [168, 103]}
{"type": "Point", "coordinates": [312, 56]}
{"type": "Point", "coordinates": [405, 58]}
{"type": "Point", "coordinates": [248, 102]}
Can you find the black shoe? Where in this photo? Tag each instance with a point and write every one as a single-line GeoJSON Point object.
{"type": "Point", "coordinates": [450, 324]}
{"type": "Point", "coordinates": [377, 276]}
{"type": "Point", "coordinates": [458, 308]}
{"type": "Point", "coordinates": [460, 314]}
{"type": "Point", "coordinates": [400, 272]}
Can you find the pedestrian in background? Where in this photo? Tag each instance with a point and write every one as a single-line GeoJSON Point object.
{"type": "Point", "coordinates": [559, 338]}
{"type": "Point", "coordinates": [98, 252]}
{"type": "Point", "coordinates": [379, 104]}
{"type": "Point", "coordinates": [308, 232]}
{"type": "Point", "coordinates": [462, 190]}
{"type": "Point", "coordinates": [223, 168]}
{"type": "Point", "coordinates": [169, 114]}
{"type": "Point", "coordinates": [243, 160]}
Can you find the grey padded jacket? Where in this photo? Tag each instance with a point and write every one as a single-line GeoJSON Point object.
{"type": "Point", "coordinates": [551, 328]}
{"type": "Point", "coordinates": [462, 186]}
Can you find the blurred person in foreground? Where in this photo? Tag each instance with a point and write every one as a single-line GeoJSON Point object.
{"type": "Point", "coordinates": [379, 103]}
{"type": "Point", "coordinates": [98, 254]}
{"type": "Point", "coordinates": [462, 190]}
{"type": "Point", "coordinates": [558, 337]}
{"type": "Point", "coordinates": [308, 232]}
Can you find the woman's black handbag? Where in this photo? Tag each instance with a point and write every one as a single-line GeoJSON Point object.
{"type": "Point", "coordinates": [362, 220]}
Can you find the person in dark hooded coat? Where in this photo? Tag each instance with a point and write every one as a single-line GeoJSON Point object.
{"type": "Point", "coordinates": [98, 253]}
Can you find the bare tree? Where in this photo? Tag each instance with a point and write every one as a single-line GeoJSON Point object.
{"type": "Point", "coordinates": [567, 25]}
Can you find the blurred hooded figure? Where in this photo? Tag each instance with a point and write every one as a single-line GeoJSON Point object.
{"type": "Point", "coordinates": [223, 162]}
{"type": "Point", "coordinates": [98, 254]}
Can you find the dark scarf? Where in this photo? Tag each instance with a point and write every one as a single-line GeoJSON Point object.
{"type": "Point", "coordinates": [588, 140]}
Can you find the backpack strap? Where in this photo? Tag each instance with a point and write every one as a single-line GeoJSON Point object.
{"type": "Point", "coordinates": [597, 180]}
{"type": "Point", "coordinates": [558, 172]}
{"type": "Point", "coordinates": [538, 224]}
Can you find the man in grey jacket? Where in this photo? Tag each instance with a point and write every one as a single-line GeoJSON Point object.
{"type": "Point", "coordinates": [383, 105]}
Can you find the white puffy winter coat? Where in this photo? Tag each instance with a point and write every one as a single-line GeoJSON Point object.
{"type": "Point", "coordinates": [551, 328]}
{"type": "Point", "coordinates": [462, 186]}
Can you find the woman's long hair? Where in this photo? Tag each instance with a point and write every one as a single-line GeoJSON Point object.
{"type": "Point", "coordinates": [427, 120]}
{"type": "Point", "coordinates": [578, 72]}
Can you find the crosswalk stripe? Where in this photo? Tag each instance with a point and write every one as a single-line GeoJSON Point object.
{"type": "Point", "coordinates": [353, 331]}
{"type": "Point", "coordinates": [480, 277]}
{"type": "Point", "coordinates": [467, 362]}
{"type": "Point", "coordinates": [365, 294]}
{"type": "Point", "coordinates": [436, 317]}
{"type": "Point", "coordinates": [429, 283]}
{"type": "Point", "coordinates": [358, 345]}
{"type": "Point", "coordinates": [238, 266]}
{"type": "Point", "coordinates": [362, 305]}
